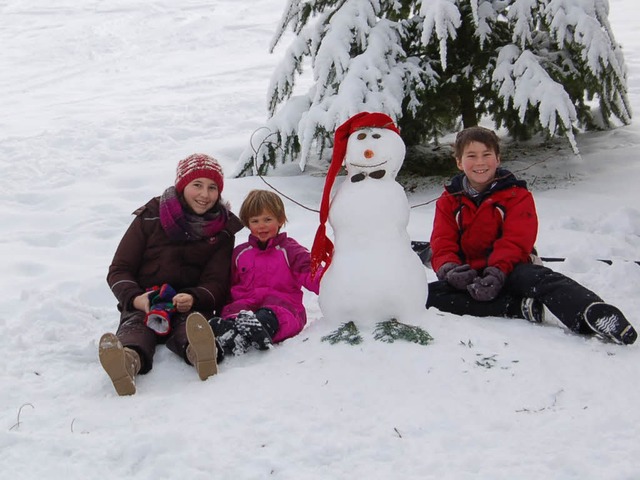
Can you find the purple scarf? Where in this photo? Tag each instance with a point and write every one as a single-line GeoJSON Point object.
{"type": "Point", "coordinates": [181, 224]}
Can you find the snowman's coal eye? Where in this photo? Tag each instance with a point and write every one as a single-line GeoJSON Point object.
{"type": "Point", "coordinates": [376, 135]}
{"type": "Point", "coordinates": [361, 136]}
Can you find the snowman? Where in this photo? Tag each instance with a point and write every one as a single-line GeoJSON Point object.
{"type": "Point", "coordinates": [370, 276]}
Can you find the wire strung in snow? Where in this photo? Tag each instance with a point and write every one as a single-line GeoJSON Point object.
{"type": "Point", "coordinates": [265, 141]}
{"type": "Point", "coordinates": [495, 179]}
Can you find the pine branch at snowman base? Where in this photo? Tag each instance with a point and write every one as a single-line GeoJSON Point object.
{"type": "Point", "coordinates": [346, 333]}
{"type": "Point", "coordinates": [391, 330]}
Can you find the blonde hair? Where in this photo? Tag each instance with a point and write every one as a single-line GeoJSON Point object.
{"type": "Point", "coordinates": [258, 201]}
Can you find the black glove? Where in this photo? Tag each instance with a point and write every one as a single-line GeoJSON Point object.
{"type": "Point", "coordinates": [458, 276]}
{"type": "Point", "coordinates": [488, 286]}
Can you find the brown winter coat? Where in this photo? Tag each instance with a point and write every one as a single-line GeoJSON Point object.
{"type": "Point", "coordinates": [147, 257]}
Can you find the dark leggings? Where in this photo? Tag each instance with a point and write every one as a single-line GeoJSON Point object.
{"type": "Point", "coordinates": [134, 334]}
{"type": "Point", "coordinates": [565, 298]}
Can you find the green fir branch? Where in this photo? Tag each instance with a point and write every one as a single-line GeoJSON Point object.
{"type": "Point", "coordinates": [347, 333]}
{"type": "Point", "coordinates": [391, 330]}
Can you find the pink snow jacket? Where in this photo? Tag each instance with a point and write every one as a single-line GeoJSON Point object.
{"type": "Point", "coordinates": [273, 278]}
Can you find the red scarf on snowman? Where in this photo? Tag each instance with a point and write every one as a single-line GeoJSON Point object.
{"type": "Point", "coordinates": [322, 250]}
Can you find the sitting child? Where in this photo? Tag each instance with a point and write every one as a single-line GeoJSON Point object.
{"type": "Point", "coordinates": [483, 236]}
{"type": "Point", "coordinates": [172, 263]}
{"type": "Point", "coordinates": [267, 276]}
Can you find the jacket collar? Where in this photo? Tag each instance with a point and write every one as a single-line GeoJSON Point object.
{"type": "Point", "coordinates": [277, 240]}
{"type": "Point", "coordinates": [504, 179]}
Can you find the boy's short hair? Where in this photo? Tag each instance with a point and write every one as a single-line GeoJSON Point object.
{"type": "Point", "coordinates": [258, 201]}
{"type": "Point", "coordinates": [476, 134]}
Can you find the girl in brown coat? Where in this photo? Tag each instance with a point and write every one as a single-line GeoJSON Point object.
{"type": "Point", "coordinates": [181, 241]}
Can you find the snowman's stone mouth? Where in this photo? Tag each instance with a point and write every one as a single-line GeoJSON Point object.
{"type": "Point", "coordinates": [367, 166]}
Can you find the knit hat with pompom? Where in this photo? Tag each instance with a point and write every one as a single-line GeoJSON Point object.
{"type": "Point", "coordinates": [198, 165]}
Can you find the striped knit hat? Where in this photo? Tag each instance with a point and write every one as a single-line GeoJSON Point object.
{"type": "Point", "coordinates": [195, 166]}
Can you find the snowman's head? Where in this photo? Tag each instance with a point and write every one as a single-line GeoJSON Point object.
{"type": "Point", "coordinates": [360, 142]}
{"type": "Point", "coordinates": [375, 152]}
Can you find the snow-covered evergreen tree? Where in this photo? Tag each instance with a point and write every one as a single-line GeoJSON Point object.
{"type": "Point", "coordinates": [530, 65]}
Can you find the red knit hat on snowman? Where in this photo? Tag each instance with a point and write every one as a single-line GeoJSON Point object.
{"type": "Point", "coordinates": [322, 250]}
{"type": "Point", "coordinates": [195, 166]}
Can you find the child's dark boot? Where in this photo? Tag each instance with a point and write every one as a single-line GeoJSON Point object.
{"type": "Point", "coordinates": [609, 322]}
{"type": "Point", "coordinates": [532, 310]}
{"type": "Point", "coordinates": [255, 331]}
{"type": "Point", "coordinates": [230, 341]}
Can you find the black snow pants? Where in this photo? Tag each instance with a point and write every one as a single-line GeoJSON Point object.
{"type": "Point", "coordinates": [565, 298]}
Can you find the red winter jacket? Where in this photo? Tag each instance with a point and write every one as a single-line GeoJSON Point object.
{"type": "Point", "coordinates": [496, 229]}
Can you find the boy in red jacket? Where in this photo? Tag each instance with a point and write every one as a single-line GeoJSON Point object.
{"type": "Point", "coordinates": [482, 242]}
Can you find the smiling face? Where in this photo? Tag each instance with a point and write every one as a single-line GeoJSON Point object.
{"type": "Point", "coordinates": [374, 149]}
{"type": "Point", "coordinates": [201, 195]}
{"type": "Point", "coordinates": [479, 163]}
{"type": "Point", "coordinates": [264, 226]}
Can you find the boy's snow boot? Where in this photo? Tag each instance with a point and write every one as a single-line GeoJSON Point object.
{"type": "Point", "coordinates": [201, 350]}
{"type": "Point", "coordinates": [532, 310]}
{"type": "Point", "coordinates": [609, 322]}
{"type": "Point", "coordinates": [122, 364]}
{"type": "Point", "coordinates": [252, 330]}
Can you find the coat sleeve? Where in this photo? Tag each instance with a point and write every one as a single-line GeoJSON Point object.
{"type": "Point", "coordinates": [126, 263]}
{"type": "Point", "coordinates": [300, 262]}
{"type": "Point", "coordinates": [445, 235]}
{"type": "Point", "coordinates": [519, 232]}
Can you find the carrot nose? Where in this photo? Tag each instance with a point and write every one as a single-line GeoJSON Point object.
{"type": "Point", "coordinates": [368, 154]}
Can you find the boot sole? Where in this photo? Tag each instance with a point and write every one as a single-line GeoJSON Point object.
{"type": "Point", "coordinates": [113, 360]}
{"type": "Point", "coordinates": [203, 345]}
{"type": "Point", "coordinates": [626, 336]}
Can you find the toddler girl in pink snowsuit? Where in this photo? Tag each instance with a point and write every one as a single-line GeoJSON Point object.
{"type": "Point", "coordinates": [267, 275]}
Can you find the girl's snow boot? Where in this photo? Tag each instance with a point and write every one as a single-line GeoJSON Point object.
{"type": "Point", "coordinates": [253, 330]}
{"type": "Point", "coordinates": [201, 350]}
{"type": "Point", "coordinates": [122, 364]}
{"type": "Point", "coordinates": [228, 338]}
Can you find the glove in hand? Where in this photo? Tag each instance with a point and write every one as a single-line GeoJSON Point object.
{"type": "Point", "coordinates": [487, 287]}
{"type": "Point", "coordinates": [458, 276]}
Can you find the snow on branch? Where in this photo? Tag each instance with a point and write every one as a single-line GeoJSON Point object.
{"type": "Point", "coordinates": [571, 21]}
{"type": "Point", "coordinates": [347, 31]}
{"type": "Point", "coordinates": [531, 65]}
{"type": "Point", "coordinates": [283, 78]}
{"type": "Point", "coordinates": [484, 15]}
{"type": "Point", "coordinates": [443, 17]}
{"type": "Point", "coordinates": [371, 83]}
{"type": "Point", "coordinates": [521, 15]}
{"type": "Point", "coordinates": [524, 82]}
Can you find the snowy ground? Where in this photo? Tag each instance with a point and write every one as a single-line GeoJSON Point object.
{"type": "Point", "coordinates": [99, 102]}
